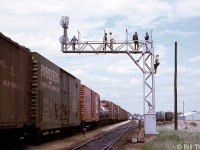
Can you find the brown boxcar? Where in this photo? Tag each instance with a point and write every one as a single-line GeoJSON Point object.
{"type": "Point", "coordinates": [86, 104]}
{"type": "Point", "coordinates": [55, 100]}
{"type": "Point", "coordinates": [121, 113]}
{"type": "Point", "coordinates": [95, 106]}
{"type": "Point", "coordinates": [15, 88]}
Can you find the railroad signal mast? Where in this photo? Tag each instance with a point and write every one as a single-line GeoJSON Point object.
{"type": "Point", "coordinates": [142, 56]}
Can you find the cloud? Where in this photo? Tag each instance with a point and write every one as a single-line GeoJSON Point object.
{"type": "Point", "coordinates": [35, 24]}
{"type": "Point", "coordinates": [120, 70]}
{"type": "Point", "coordinates": [89, 17]}
{"type": "Point", "coordinates": [79, 73]}
{"type": "Point", "coordinates": [194, 59]}
{"type": "Point", "coordinates": [183, 69]}
{"type": "Point", "coordinates": [191, 7]}
{"type": "Point", "coordinates": [161, 50]}
{"type": "Point", "coordinates": [135, 81]}
{"type": "Point", "coordinates": [123, 67]}
{"type": "Point", "coordinates": [178, 32]}
{"type": "Point", "coordinates": [107, 81]}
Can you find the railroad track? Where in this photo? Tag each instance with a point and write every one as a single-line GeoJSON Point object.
{"type": "Point", "coordinates": [105, 141]}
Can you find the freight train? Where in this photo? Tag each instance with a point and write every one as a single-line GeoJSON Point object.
{"type": "Point", "coordinates": [38, 97]}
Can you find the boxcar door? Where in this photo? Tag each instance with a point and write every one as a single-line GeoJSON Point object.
{"type": "Point", "coordinates": [64, 98]}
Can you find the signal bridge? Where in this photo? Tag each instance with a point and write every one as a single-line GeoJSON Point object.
{"type": "Point", "coordinates": [143, 57]}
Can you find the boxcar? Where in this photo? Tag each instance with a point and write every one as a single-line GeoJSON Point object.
{"type": "Point", "coordinates": [70, 99]}
{"type": "Point", "coordinates": [86, 104]}
{"type": "Point", "coordinates": [90, 106]}
{"type": "Point", "coordinates": [120, 111]}
{"type": "Point", "coordinates": [55, 99]}
{"type": "Point", "coordinates": [15, 88]}
{"type": "Point", "coordinates": [113, 110]}
{"type": "Point", "coordinates": [169, 116]}
{"type": "Point", "coordinates": [95, 106]}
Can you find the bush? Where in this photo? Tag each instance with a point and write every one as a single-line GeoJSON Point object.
{"type": "Point", "coordinates": [193, 123]}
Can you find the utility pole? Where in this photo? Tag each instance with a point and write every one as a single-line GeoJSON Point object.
{"type": "Point", "coordinates": [175, 88]}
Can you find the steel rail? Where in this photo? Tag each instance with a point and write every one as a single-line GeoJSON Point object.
{"type": "Point", "coordinates": [116, 139]}
{"type": "Point", "coordinates": [102, 135]}
{"type": "Point", "coordinates": [93, 139]}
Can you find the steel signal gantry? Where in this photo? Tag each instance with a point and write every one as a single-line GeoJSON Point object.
{"type": "Point", "coordinates": [144, 58]}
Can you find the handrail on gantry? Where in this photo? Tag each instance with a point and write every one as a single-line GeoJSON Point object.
{"type": "Point", "coordinates": [100, 47]}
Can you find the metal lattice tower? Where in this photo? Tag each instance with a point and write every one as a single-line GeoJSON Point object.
{"type": "Point", "coordinates": [143, 57]}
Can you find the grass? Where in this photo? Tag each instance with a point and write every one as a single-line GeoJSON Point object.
{"type": "Point", "coordinates": [168, 139]}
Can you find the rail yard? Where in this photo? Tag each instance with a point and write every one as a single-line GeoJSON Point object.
{"type": "Point", "coordinates": [39, 98]}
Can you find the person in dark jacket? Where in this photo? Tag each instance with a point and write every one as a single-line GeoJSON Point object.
{"type": "Point", "coordinates": [146, 37]}
{"type": "Point", "coordinates": [146, 40]}
{"type": "Point", "coordinates": [156, 63]}
{"type": "Point", "coordinates": [135, 39]}
{"type": "Point", "coordinates": [105, 41]}
{"type": "Point", "coordinates": [140, 126]}
{"type": "Point", "coordinates": [74, 42]}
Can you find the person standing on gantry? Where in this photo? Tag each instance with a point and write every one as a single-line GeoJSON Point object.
{"type": "Point", "coordinates": [146, 37]}
{"type": "Point", "coordinates": [74, 41]}
{"type": "Point", "coordinates": [105, 41]}
{"type": "Point", "coordinates": [146, 40]}
{"type": "Point", "coordinates": [111, 41]}
{"type": "Point", "coordinates": [135, 39]}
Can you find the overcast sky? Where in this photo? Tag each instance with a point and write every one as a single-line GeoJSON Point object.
{"type": "Point", "coordinates": [35, 24]}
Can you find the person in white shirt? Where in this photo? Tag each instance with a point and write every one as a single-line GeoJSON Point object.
{"type": "Point", "coordinates": [111, 41]}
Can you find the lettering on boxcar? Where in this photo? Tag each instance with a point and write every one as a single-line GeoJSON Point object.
{"type": "Point", "coordinates": [11, 84]}
{"type": "Point", "coordinates": [50, 87]}
{"type": "Point", "coordinates": [3, 65]}
{"type": "Point", "coordinates": [45, 114]}
{"type": "Point", "coordinates": [49, 74]}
